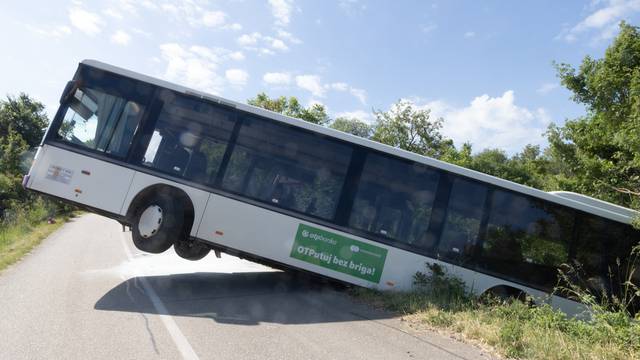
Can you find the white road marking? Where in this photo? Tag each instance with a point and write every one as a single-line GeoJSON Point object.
{"type": "Point", "coordinates": [174, 331]}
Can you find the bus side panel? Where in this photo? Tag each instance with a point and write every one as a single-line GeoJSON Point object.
{"type": "Point", "coordinates": [80, 178]}
{"type": "Point", "coordinates": [142, 181]}
{"type": "Point", "coordinates": [271, 235]}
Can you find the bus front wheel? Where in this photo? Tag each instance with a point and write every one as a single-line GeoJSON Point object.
{"type": "Point", "coordinates": [190, 249]}
{"type": "Point", "coordinates": [157, 224]}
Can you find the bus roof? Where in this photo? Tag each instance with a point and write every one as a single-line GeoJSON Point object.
{"type": "Point", "coordinates": [573, 200]}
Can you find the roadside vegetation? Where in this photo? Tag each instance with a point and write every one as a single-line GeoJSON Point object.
{"type": "Point", "coordinates": [24, 229]}
{"type": "Point", "coordinates": [25, 218]}
{"type": "Point", "coordinates": [513, 328]}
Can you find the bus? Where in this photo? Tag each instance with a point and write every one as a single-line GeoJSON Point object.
{"type": "Point", "coordinates": [198, 172]}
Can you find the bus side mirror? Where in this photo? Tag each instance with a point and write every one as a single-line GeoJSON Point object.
{"type": "Point", "coordinates": [69, 90]}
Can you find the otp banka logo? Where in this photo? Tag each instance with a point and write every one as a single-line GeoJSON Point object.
{"type": "Point", "coordinates": [305, 233]}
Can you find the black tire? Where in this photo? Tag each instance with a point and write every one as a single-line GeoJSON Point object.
{"type": "Point", "coordinates": [171, 226]}
{"type": "Point", "coordinates": [190, 249]}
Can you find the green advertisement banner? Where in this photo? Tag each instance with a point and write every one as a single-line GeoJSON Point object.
{"type": "Point", "coordinates": [339, 253]}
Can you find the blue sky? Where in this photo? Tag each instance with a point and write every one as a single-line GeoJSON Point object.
{"type": "Point", "coordinates": [484, 66]}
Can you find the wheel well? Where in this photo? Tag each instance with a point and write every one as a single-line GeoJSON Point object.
{"type": "Point", "coordinates": [173, 192]}
{"type": "Point", "coordinates": [506, 292]}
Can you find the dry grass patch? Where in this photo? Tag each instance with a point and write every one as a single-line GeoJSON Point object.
{"type": "Point", "coordinates": [510, 329]}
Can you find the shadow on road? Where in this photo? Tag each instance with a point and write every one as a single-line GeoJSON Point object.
{"type": "Point", "coordinates": [240, 298]}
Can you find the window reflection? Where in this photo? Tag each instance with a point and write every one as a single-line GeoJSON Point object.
{"type": "Point", "coordinates": [100, 121]}
{"type": "Point", "coordinates": [395, 200]}
{"type": "Point", "coordinates": [462, 223]}
{"type": "Point", "coordinates": [287, 167]}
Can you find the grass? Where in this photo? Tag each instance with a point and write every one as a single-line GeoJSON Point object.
{"type": "Point", "coordinates": [510, 329]}
{"type": "Point", "coordinates": [24, 231]}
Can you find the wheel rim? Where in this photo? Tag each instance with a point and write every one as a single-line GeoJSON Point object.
{"type": "Point", "coordinates": [150, 221]}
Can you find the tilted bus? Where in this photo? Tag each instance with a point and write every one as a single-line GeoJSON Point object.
{"type": "Point", "coordinates": [197, 172]}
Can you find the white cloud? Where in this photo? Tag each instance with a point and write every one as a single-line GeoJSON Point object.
{"type": "Point", "coordinates": [113, 13]}
{"type": "Point", "coordinates": [281, 10]}
{"type": "Point", "coordinates": [492, 122]}
{"type": "Point", "coordinates": [206, 53]}
{"type": "Point", "coordinates": [469, 34]}
{"type": "Point", "coordinates": [120, 38]}
{"type": "Point", "coordinates": [128, 6]}
{"type": "Point", "coordinates": [547, 88]}
{"type": "Point", "coordinates": [263, 44]}
{"type": "Point", "coordinates": [351, 7]}
{"type": "Point", "coordinates": [362, 115]}
{"type": "Point", "coordinates": [249, 39]}
{"type": "Point", "coordinates": [141, 32]}
{"type": "Point", "coordinates": [53, 32]}
{"type": "Point", "coordinates": [235, 27]}
{"type": "Point", "coordinates": [195, 67]}
{"type": "Point", "coordinates": [237, 77]}
{"type": "Point", "coordinates": [603, 21]}
{"type": "Point", "coordinates": [339, 86]}
{"type": "Point", "coordinates": [265, 51]}
{"type": "Point", "coordinates": [279, 45]}
{"type": "Point", "coordinates": [311, 83]}
{"type": "Point", "coordinates": [195, 13]}
{"type": "Point", "coordinates": [237, 56]}
{"type": "Point", "coordinates": [285, 35]}
{"type": "Point", "coordinates": [428, 28]}
{"type": "Point", "coordinates": [359, 94]}
{"type": "Point", "coordinates": [85, 21]}
{"type": "Point", "coordinates": [277, 78]}
{"type": "Point", "coordinates": [213, 18]}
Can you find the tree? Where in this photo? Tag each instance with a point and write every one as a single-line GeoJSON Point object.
{"type": "Point", "coordinates": [25, 116]}
{"type": "Point", "coordinates": [12, 147]}
{"type": "Point", "coordinates": [527, 167]}
{"type": "Point", "coordinates": [22, 125]}
{"type": "Point", "coordinates": [290, 106]}
{"type": "Point", "coordinates": [352, 126]}
{"type": "Point", "coordinates": [411, 129]}
{"type": "Point", "coordinates": [599, 153]}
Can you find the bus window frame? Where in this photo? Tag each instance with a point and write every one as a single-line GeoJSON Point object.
{"type": "Point", "coordinates": [80, 82]}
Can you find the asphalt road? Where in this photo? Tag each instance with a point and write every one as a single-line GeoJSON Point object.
{"type": "Point", "coordinates": [87, 293]}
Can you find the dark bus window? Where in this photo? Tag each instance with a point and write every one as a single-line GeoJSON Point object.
{"type": "Point", "coordinates": [100, 121]}
{"type": "Point", "coordinates": [526, 239]}
{"type": "Point", "coordinates": [287, 167]}
{"type": "Point", "coordinates": [189, 139]}
{"type": "Point", "coordinates": [603, 253]}
{"type": "Point", "coordinates": [591, 252]}
{"type": "Point", "coordinates": [462, 223]}
{"type": "Point", "coordinates": [394, 199]}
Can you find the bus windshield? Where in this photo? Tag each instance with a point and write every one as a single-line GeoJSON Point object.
{"type": "Point", "coordinates": [99, 121]}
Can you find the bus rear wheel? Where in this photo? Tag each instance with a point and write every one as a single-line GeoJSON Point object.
{"type": "Point", "coordinates": [190, 249]}
{"type": "Point", "coordinates": [157, 224]}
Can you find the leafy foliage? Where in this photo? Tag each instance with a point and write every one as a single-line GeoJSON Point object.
{"type": "Point", "coordinates": [599, 154]}
{"type": "Point", "coordinates": [22, 125]}
{"type": "Point", "coordinates": [290, 106]}
{"type": "Point", "coordinates": [352, 126]}
{"type": "Point", "coordinates": [25, 116]}
{"type": "Point", "coordinates": [412, 129]}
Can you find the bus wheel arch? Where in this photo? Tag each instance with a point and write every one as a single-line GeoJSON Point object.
{"type": "Point", "coordinates": [160, 215]}
{"type": "Point", "coordinates": [506, 293]}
